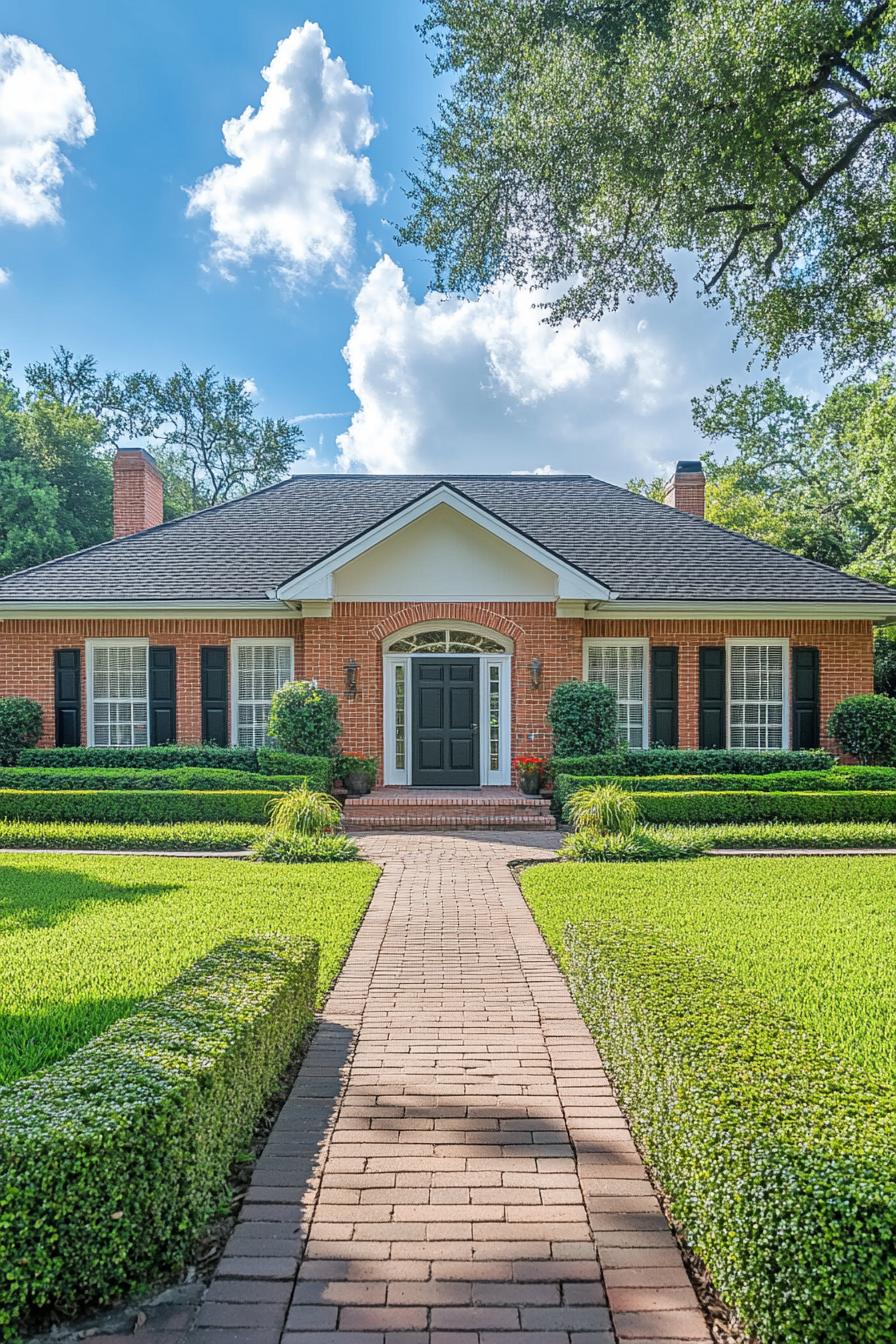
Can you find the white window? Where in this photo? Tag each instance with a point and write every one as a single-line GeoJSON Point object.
{"type": "Point", "coordinates": [259, 668]}
{"type": "Point", "coordinates": [757, 694]}
{"type": "Point", "coordinates": [118, 693]}
{"type": "Point", "coordinates": [622, 665]}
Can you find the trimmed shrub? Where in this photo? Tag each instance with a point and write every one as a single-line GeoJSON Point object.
{"type": "Point", "coordinates": [212, 835]}
{"type": "Point", "coordinates": [279, 848]}
{"type": "Point", "coordinates": [777, 1154]}
{"type": "Point", "coordinates": [671, 761]}
{"type": "Point", "coordinates": [790, 781]}
{"type": "Point", "coordinates": [743, 805]}
{"type": "Point", "coordinates": [318, 770]}
{"type": "Point", "coordinates": [183, 777]}
{"type": "Point", "coordinates": [21, 724]}
{"type": "Point", "coordinates": [865, 727]}
{"type": "Point", "coordinates": [796, 835]}
{"type": "Point", "coordinates": [584, 718]}
{"type": "Point", "coordinates": [642, 844]}
{"type": "Point", "coordinates": [305, 719]}
{"type": "Point", "coordinates": [603, 808]}
{"type": "Point", "coordinates": [143, 758]}
{"type": "Point", "coordinates": [135, 805]}
{"type": "Point", "coordinates": [111, 1162]}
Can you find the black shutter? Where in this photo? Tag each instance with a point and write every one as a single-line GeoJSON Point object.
{"type": "Point", "coordinates": [712, 698]}
{"type": "Point", "coordinates": [162, 696]}
{"type": "Point", "coordinates": [67, 678]}
{"type": "Point", "coordinates": [806, 705]}
{"type": "Point", "coordinates": [664, 697]}
{"type": "Point", "coordinates": [214, 694]}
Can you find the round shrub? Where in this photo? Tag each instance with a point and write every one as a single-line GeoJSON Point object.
{"type": "Point", "coordinates": [305, 718]}
{"type": "Point", "coordinates": [865, 727]}
{"type": "Point", "coordinates": [21, 724]}
{"type": "Point", "coordinates": [584, 718]}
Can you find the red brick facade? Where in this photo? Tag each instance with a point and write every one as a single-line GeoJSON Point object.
{"type": "Point", "coordinates": [356, 631]}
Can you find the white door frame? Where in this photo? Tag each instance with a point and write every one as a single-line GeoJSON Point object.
{"type": "Point", "coordinates": [393, 775]}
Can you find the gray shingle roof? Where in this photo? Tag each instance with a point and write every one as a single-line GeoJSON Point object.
{"type": "Point", "coordinates": [639, 549]}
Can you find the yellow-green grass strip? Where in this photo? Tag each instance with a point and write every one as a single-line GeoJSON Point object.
{"type": "Point", "coordinates": [84, 938]}
{"type": "Point", "coordinates": [814, 936]}
{"type": "Point", "coordinates": [172, 835]}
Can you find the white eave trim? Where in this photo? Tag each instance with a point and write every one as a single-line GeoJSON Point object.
{"type": "Point", "coordinates": [225, 608]}
{"type": "Point", "coordinates": [316, 582]}
{"type": "Point", "coordinates": [733, 611]}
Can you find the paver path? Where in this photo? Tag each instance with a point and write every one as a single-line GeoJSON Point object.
{"type": "Point", "coordinates": [451, 1165]}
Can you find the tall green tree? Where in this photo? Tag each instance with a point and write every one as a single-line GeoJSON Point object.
{"type": "Point", "coordinates": [55, 486]}
{"type": "Point", "coordinates": [204, 429]}
{"type": "Point", "coordinates": [584, 142]}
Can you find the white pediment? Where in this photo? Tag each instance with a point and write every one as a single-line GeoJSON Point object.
{"type": "Point", "coordinates": [442, 547]}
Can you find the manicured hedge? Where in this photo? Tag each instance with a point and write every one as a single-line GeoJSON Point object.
{"type": "Point", "coordinates": [789, 781]}
{"type": "Point", "coordinates": [669, 761]}
{"type": "Point", "coordinates": [264, 760]}
{"type": "Point", "coordinates": [111, 1161]}
{"type": "Point", "coordinates": [200, 835]}
{"type": "Point", "coordinates": [711, 806]}
{"type": "Point", "coordinates": [134, 805]}
{"type": "Point", "coordinates": [141, 758]}
{"type": "Point", "coordinates": [778, 1155]}
{"type": "Point", "coordinates": [795, 835]}
{"type": "Point", "coordinates": [184, 777]}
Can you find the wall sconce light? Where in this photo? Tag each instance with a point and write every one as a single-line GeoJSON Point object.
{"type": "Point", "coordinates": [351, 679]}
{"type": "Point", "coordinates": [535, 673]}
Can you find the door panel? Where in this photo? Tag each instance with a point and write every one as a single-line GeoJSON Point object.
{"type": "Point", "coordinates": [445, 722]}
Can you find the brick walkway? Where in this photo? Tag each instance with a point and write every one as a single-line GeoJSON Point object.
{"type": "Point", "coordinates": [451, 1165]}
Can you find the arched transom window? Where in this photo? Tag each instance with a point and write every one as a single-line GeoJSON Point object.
{"type": "Point", "coordinates": [446, 639]}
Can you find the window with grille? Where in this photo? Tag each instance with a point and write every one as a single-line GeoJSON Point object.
{"type": "Point", "coordinates": [261, 669]}
{"type": "Point", "coordinates": [120, 695]}
{"type": "Point", "coordinates": [756, 692]}
{"type": "Point", "coordinates": [622, 666]}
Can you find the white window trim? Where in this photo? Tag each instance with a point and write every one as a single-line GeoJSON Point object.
{"type": "Point", "coordinates": [235, 646]}
{"type": "Point", "coordinates": [90, 646]}
{"type": "Point", "coordinates": [784, 645]}
{"type": "Point", "coordinates": [487, 776]}
{"type": "Point", "coordinates": [629, 643]}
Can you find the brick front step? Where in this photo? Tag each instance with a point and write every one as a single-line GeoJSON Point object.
{"type": "Point", "coordinates": [432, 809]}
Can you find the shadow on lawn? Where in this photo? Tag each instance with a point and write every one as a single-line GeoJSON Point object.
{"type": "Point", "coordinates": [35, 1038]}
{"type": "Point", "coordinates": [39, 896]}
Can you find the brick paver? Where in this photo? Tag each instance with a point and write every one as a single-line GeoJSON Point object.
{"type": "Point", "coordinates": [451, 1165]}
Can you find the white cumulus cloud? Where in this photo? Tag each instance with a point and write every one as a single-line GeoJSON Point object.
{"type": "Point", "coordinates": [485, 385]}
{"type": "Point", "coordinates": [299, 160]}
{"type": "Point", "coordinates": [43, 106]}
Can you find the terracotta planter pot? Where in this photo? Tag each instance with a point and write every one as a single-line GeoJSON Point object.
{"type": "Point", "coordinates": [357, 783]}
{"type": "Point", "coordinates": [530, 784]}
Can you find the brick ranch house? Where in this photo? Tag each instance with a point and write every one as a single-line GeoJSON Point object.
{"type": "Point", "coordinates": [443, 611]}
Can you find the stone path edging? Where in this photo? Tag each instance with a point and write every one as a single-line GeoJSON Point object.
{"type": "Point", "coordinates": [451, 1165]}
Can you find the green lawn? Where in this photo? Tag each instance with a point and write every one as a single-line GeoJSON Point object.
{"type": "Point", "coordinates": [815, 935]}
{"type": "Point", "coordinates": [85, 937]}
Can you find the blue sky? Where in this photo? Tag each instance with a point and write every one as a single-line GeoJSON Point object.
{"type": "Point", "coordinates": [252, 281]}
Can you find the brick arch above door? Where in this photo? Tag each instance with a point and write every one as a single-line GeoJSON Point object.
{"type": "Point", "coordinates": [455, 613]}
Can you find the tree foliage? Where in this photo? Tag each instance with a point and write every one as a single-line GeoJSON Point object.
{"type": "Point", "coordinates": [203, 429]}
{"type": "Point", "coordinates": [584, 142]}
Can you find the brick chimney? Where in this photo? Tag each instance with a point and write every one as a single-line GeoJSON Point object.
{"type": "Point", "coordinates": [686, 490]}
{"type": "Point", "coordinates": [136, 492]}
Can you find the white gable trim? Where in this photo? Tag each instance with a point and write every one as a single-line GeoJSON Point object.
{"type": "Point", "coordinates": [316, 582]}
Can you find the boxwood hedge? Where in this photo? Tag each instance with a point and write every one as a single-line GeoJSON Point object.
{"type": "Point", "coordinates": [134, 805]}
{"type": "Point", "coordinates": [111, 1161]}
{"type": "Point", "coordinates": [672, 761]}
{"type": "Point", "coordinates": [777, 1154]}
{"type": "Point", "coordinates": [264, 760]}
{"type": "Point", "coordinates": [785, 781]}
{"type": "Point", "coordinates": [184, 777]}
{"type": "Point", "coordinates": [710, 806]}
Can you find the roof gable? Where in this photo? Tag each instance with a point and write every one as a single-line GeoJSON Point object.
{"type": "Point", "coordinates": [316, 581]}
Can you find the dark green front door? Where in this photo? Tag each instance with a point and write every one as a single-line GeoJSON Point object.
{"type": "Point", "coordinates": [445, 722]}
